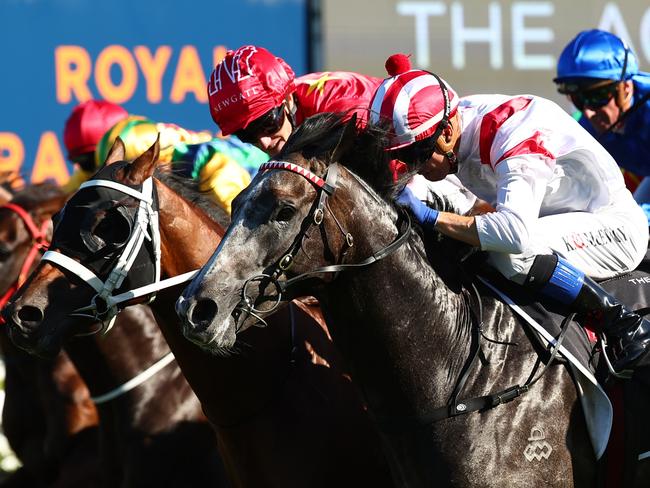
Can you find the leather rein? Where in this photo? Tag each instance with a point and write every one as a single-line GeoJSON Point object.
{"type": "Point", "coordinates": [455, 406]}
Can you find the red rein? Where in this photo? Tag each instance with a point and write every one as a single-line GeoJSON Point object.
{"type": "Point", "coordinates": [39, 242]}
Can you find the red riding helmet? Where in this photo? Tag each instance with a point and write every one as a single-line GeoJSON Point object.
{"type": "Point", "coordinates": [413, 102]}
{"type": "Point", "coordinates": [245, 85]}
{"type": "Point", "coordinates": [87, 124]}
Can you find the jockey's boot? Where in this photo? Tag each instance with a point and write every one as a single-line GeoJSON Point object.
{"type": "Point", "coordinates": [628, 334]}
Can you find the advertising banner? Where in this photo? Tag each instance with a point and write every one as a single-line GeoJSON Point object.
{"type": "Point", "coordinates": [152, 57]}
{"type": "Point", "coordinates": [478, 46]}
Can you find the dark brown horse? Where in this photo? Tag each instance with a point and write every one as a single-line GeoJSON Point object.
{"type": "Point", "coordinates": [152, 435]}
{"type": "Point", "coordinates": [410, 328]}
{"type": "Point", "coordinates": [284, 409]}
{"type": "Point", "coordinates": [48, 416]}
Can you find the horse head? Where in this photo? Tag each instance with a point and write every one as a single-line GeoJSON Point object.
{"type": "Point", "coordinates": [101, 229]}
{"type": "Point", "coordinates": [297, 218]}
{"type": "Point", "coordinates": [25, 230]}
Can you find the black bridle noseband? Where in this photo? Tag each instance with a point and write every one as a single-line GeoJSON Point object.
{"type": "Point", "coordinates": [324, 188]}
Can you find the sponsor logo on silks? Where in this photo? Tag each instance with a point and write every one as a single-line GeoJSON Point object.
{"type": "Point", "coordinates": [232, 68]}
{"type": "Point", "coordinates": [537, 448]}
{"type": "Point", "coordinates": [600, 237]}
{"type": "Point", "coordinates": [237, 97]}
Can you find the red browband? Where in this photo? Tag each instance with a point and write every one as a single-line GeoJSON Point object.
{"type": "Point", "coordinates": [316, 180]}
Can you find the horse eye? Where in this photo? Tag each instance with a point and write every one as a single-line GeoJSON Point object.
{"type": "Point", "coordinates": [286, 213]}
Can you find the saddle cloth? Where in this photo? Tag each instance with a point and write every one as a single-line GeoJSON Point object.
{"type": "Point", "coordinates": [544, 319]}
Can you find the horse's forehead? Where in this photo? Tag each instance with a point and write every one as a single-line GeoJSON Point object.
{"type": "Point", "coordinates": [280, 182]}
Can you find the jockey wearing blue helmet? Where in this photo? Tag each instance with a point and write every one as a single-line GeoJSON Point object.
{"type": "Point", "coordinates": [600, 74]}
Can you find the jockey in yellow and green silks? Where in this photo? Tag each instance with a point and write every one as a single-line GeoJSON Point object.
{"type": "Point", "coordinates": [222, 167]}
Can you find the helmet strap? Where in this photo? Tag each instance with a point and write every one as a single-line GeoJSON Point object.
{"type": "Point", "coordinates": [447, 147]}
{"type": "Point", "coordinates": [293, 108]}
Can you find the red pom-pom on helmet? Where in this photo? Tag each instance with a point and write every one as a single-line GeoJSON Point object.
{"type": "Point", "coordinates": [397, 64]}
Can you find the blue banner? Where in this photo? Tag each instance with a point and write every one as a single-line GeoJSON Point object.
{"type": "Point", "coordinates": [153, 57]}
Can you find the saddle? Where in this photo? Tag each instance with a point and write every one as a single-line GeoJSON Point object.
{"type": "Point", "coordinates": [615, 411]}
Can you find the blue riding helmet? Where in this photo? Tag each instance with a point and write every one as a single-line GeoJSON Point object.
{"type": "Point", "coordinates": [596, 54]}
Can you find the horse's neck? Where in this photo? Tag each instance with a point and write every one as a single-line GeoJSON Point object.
{"type": "Point", "coordinates": [188, 236]}
{"type": "Point", "coordinates": [188, 239]}
{"type": "Point", "coordinates": [130, 347]}
{"type": "Point", "coordinates": [398, 307]}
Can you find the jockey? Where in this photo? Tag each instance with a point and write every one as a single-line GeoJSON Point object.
{"type": "Point", "coordinates": [217, 171]}
{"type": "Point", "coordinates": [600, 74]}
{"type": "Point", "coordinates": [83, 129]}
{"type": "Point", "coordinates": [256, 96]}
{"type": "Point", "coordinates": [563, 215]}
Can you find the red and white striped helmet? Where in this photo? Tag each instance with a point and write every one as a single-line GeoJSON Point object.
{"type": "Point", "coordinates": [413, 102]}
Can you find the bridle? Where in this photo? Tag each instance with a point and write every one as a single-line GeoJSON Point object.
{"type": "Point", "coordinates": [39, 242]}
{"type": "Point", "coordinates": [104, 305]}
{"type": "Point", "coordinates": [324, 188]}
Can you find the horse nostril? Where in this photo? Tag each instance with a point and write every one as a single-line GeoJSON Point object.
{"type": "Point", "coordinates": [29, 315]}
{"type": "Point", "coordinates": [203, 313]}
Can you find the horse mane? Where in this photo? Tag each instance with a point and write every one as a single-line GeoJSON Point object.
{"type": "Point", "coordinates": [188, 189]}
{"type": "Point", "coordinates": [31, 196]}
{"type": "Point", "coordinates": [316, 140]}
{"type": "Point", "coordinates": [319, 135]}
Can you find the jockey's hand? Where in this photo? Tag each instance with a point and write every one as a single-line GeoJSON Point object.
{"type": "Point", "coordinates": [424, 214]}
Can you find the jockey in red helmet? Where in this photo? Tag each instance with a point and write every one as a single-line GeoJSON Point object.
{"type": "Point", "coordinates": [256, 96]}
{"type": "Point", "coordinates": [220, 165]}
{"type": "Point", "coordinates": [82, 131]}
{"type": "Point", "coordinates": [563, 213]}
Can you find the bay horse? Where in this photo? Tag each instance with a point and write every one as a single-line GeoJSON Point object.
{"type": "Point", "coordinates": [153, 435]}
{"type": "Point", "coordinates": [403, 315]}
{"type": "Point", "coordinates": [284, 409]}
{"type": "Point", "coordinates": [48, 416]}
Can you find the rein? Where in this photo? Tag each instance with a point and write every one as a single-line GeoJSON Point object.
{"type": "Point", "coordinates": [324, 188]}
{"type": "Point", "coordinates": [39, 242]}
{"type": "Point", "coordinates": [454, 406]}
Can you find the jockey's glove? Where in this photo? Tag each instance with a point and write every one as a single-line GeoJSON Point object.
{"type": "Point", "coordinates": [425, 215]}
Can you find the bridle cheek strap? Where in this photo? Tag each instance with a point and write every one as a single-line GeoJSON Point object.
{"type": "Point", "coordinates": [39, 242]}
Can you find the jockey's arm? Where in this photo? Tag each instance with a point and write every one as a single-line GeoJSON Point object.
{"type": "Point", "coordinates": [460, 227]}
{"type": "Point", "coordinates": [463, 227]}
{"type": "Point", "coordinates": [481, 207]}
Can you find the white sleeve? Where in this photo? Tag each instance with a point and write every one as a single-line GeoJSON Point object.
{"type": "Point", "coordinates": [451, 189]}
{"type": "Point", "coordinates": [521, 186]}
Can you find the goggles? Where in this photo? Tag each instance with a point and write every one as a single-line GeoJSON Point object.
{"type": "Point", "coordinates": [267, 124]}
{"type": "Point", "coordinates": [593, 98]}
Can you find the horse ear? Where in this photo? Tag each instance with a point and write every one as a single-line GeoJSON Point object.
{"type": "Point", "coordinates": [348, 136]}
{"type": "Point", "coordinates": [144, 166]}
{"type": "Point", "coordinates": [116, 153]}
